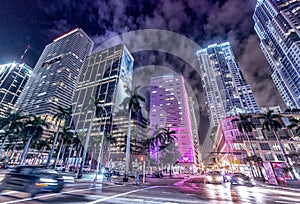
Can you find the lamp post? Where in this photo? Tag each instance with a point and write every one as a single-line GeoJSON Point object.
{"type": "Point", "coordinates": [144, 168]}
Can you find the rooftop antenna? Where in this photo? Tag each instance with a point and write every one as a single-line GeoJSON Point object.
{"type": "Point", "coordinates": [22, 56]}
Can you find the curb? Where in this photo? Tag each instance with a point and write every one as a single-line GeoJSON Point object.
{"type": "Point", "coordinates": [278, 187]}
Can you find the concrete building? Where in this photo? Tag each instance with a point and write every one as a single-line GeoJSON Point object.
{"type": "Point", "coordinates": [13, 77]}
{"type": "Point", "coordinates": [277, 25]}
{"type": "Point", "coordinates": [170, 109]}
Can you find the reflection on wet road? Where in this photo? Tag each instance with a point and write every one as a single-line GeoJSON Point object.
{"type": "Point", "coordinates": [227, 193]}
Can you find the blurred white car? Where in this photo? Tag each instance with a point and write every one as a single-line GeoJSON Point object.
{"type": "Point", "coordinates": [68, 179]}
{"type": "Point", "coordinates": [214, 177]}
{"type": "Point", "coordinates": [60, 168]}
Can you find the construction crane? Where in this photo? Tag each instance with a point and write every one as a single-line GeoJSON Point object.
{"type": "Point", "coordinates": [22, 56]}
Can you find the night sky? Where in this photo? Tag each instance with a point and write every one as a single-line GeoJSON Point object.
{"type": "Point", "coordinates": [38, 22]}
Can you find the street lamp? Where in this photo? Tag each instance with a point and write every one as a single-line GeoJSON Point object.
{"type": "Point", "coordinates": [144, 168]}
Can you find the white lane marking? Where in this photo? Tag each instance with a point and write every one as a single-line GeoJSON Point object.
{"type": "Point", "coordinates": [289, 199]}
{"type": "Point", "coordinates": [170, 203]}
{"type": "Point", "coordinates": [44, 196]}
{"type": "Point", "coordinates": [65, 192]}
{"type": "Point", "coordinates": [119, 195]}
{"type": "Point", "coordinates": [8, 193]}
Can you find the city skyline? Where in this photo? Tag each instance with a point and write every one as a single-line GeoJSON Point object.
{"type": "Point", "coordinates": [201, 26]}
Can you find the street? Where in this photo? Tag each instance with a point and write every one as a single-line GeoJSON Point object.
{"type": "Point", "coordinates": [157, 190]}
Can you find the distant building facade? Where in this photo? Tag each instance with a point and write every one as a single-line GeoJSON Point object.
{"type": "Point", "coordinates": [170, 109]}
{"type": "Point", "coordinates": [277, 25]}
{"type": "Point", "coordinates": [13, 77]}
{"type": "Point", "coordinates": [231, 146]}
{"type": "Point", "coordinates": [226, 90]}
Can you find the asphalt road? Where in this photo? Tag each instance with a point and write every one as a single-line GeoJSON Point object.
{"type": "Point", "coordinates": [164, 190]}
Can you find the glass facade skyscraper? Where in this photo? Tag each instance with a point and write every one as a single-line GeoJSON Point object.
{"type": "Point", "coordinates": [277, 24]}
{"type": "Point", "coordinates": [55, 75]}
{"type": "Point", "coordinates": [13, 78]}
{"type": "Point", "coordinates": [104, 77]}
{"type": "Point", "coordinates": [226, 90]}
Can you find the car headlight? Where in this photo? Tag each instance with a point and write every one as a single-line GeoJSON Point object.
{"type": "Point", "coordinates": [209, 178]}
{"type": "Point", "coordinates": [47, 180]}
{"type": "Point", "coordinates": [219, 178]}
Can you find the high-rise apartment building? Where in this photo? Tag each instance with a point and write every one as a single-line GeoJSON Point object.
{"type": "Point", "coordinates": [169, 109]}
{"type": "Point", "coordinates": [277, 24]}
{"type": "Point", "coordinates": [13, 78]}
{"type": "Point", "coordinates": [104, 77]}
{"type": "Point", "coordinates": [194, 128]}
{"type": "Point", "coordinates": [55, 75]}
{"type": "Point", "coordinates": [226, 90]}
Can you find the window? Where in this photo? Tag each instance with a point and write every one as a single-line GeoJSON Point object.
{"type": "Point", "coordinates": [264, 146]}
{"type": "Point", "coordinates": [276, 147]}
{"type": "Point", "coordinates": [289, 147]}
{"type": "Point", "coordinates": [237, 146]}
{"type": "Point", "coordinates": [269, 157]}
{"type": "Point", "coordinates": [280, 157]}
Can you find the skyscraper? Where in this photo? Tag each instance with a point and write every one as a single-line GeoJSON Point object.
{"type": "Point", "coordinates": [226, 90]}
{"type": "Point", "coordinates": [104, 77]}
{"type": "Point", "coordinates": [277, 24]}
{"type": "Point", "coordinates": [55, 75]}
{"type": "Point", "coordinates": [169, 109]}
{"type": "Point", "coordinates": [13, 78]}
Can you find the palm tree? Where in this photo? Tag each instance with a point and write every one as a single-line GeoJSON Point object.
{"type": "Point", "coordinates": [169, 135]}
{"type": "Point", "coordinates": [157, 138]}
{"type": "Point", "coordinates": [95, 104]}
{"type": "Point", "coordinates": [295, 124]}
{"type": "Point", "coordinates": [270, 123]}
{"type": "Point", "coordinates": [132, 104]}
{"type": "Point", "coordinates": [41, 145]}
{"type": "Point", "coordinates": [33, 130]}
{"type": "Point", "coordinates": [65, 135]}
{"type": "Point", "coordinates": [11, 125]}
{"type": "Point", "coordinates": [62, 114]}
{"type": "Point", "coordinates": [246, 127]}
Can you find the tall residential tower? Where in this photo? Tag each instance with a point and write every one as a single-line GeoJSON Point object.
{"type": "Point", "coordinates": [13, 78]}
{"type": "Point", "coordinates": [169, 108]}
{"type": "Point", "coordinates": [277, 24]}
{"type": "Point", "coordinates": [55, 75]}
{"type": "Point", "coordinates": [226, 90]}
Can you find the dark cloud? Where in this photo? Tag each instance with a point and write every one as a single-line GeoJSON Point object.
{"type": "Point", "coordinates": [203, 21]}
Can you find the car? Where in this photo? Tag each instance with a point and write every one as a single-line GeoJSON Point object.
{"type": "Point", "coordinates": [60, 168]}
{"type": "Point", "coordinates": [32, 180]}
{"type": "Point", "coordinates": [241, 179]}
{"type": "Point", "coordinates": [3, 165]}
{"type": "Point", "coordinates": [214, 177]}
{"type": "Point", "coordinates": [227, 177]}
{"type": "Point", "coordinates": [86, 168]}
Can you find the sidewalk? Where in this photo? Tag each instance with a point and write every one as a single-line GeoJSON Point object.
{"type": "Point", "coordinates": [119, 180]}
